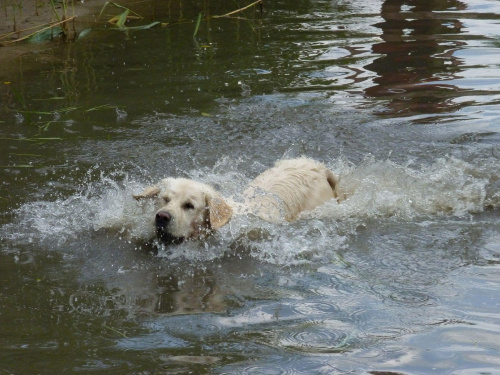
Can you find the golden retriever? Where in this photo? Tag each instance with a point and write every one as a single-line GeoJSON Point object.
{"type": "Point", "coordinates": [189, 209]}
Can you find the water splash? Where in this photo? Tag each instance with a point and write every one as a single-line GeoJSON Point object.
{"type": "Point", "coordinates": [374, 189]}
{"type": "Point", "coordinates": [449, 186]}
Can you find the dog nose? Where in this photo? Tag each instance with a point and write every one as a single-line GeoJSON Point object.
{"type": "Point", "coordinates": [162, 219]}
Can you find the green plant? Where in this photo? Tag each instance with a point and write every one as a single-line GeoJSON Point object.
{"type": "Point", "coordinates": [69, 33]}
{"type": "Point", "coordinates": [63, 11]}
{"type": "Point", "coordinates": [120, 19]}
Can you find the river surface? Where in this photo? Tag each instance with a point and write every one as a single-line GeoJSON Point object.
{"type": "Point", "coordinates": [400, 98]}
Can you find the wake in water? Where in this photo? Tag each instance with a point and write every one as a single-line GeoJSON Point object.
{"type": "Point", "coordinates": [374, 189]}
{"type": "Point", "coordinates": [447, 187]}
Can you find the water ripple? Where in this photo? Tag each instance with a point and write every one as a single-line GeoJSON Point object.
{"type": "Point", "coordinates": [265, 369]}
{"type": "Point", "coordinates": [308, 309]}
{"type": "Point", "coordinates": [323, 337]}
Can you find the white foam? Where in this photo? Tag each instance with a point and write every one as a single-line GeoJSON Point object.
{"type": "Point", "coordinates": [382, 188]}
{"type": "Point", "coordinates": [374, 189]}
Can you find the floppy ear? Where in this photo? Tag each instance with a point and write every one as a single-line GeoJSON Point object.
{"type": "Point", "coordinates": [219, 212]}
{"type": "Point", "coordinates": [149, 192]}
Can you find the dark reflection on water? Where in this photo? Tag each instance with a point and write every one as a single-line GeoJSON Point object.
{"type": "Point", "coordinates": [417, 55]}
{"type": "Point", "coordinates": [400, 278]}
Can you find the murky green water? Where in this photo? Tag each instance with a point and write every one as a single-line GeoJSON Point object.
{"type": "Point", "coordinates": [400, 98]}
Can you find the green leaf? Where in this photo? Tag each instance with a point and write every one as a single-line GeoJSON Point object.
{"type": "Point", "coordinates": [122, 19]}
{"type": "Point", "coordinates": [84, 33]}
{"type": "Point", "coordinates": [45, 35]}
{"type": "Point", "coordinates": [198, 22]}
{"type": "Point", "coordinates": [144, 27]}
{"type": "Point", "coordinates": [101, 107]}
{"type": "Point", "coordinates": [118, 6]}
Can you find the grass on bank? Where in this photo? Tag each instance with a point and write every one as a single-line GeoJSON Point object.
{"type": "Point", "coordinates": [63, 25]}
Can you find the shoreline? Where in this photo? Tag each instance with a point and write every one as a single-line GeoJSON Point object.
{"type": "Point", "coordinates": [17, 22]}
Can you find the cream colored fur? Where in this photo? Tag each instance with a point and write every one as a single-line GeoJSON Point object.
{"type": "Point", "coordinates": [280, 193]}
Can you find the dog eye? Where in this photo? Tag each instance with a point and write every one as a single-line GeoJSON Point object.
{"type": "Point", "coordinates": [188, 206]}
{"type": "Point", "coordinates": [166, 199]}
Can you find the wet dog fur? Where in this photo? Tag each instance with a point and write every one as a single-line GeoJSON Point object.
{"type": "Point", "coordinates": [189, 209]}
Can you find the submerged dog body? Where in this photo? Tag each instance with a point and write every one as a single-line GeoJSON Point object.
{"type": "Point", "coordinates": [190, 209]}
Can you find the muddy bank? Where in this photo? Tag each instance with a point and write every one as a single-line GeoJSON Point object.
{"type": "Point", "coordinates": [20, 19]}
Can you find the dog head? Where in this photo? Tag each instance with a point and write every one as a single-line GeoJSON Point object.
{"type": "Point", "coordinates": [187, 209]}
